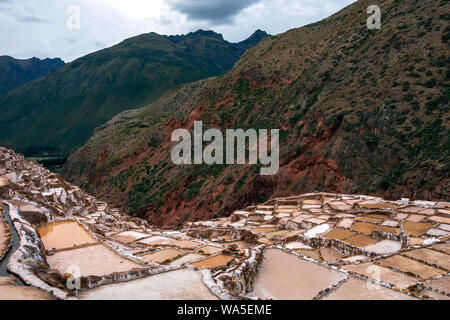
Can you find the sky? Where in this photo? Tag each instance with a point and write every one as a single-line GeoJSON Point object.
{"type": "Point", "coordinates": [69, 29]}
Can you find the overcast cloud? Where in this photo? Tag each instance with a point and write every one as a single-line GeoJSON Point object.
{"type": "Point", "coordinates": [40, 27]}
{"type": "Point", "coordinates": [213, 11]}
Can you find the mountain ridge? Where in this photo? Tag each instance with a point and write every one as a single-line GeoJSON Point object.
{"type": "Point", "coordinates": [359, 111]}
{"type": "Point", "coordinates": [61, 110]}
{"type": "Point", "coordinates": [17, 72]}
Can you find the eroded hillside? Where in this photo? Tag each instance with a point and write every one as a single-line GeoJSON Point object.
{"type": "Point", "coordinates": [360, 111]}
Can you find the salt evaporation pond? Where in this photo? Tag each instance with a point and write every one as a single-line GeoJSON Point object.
{"type": "Point", "coordinates": [129, 236]}
{"type": "Point", "coordinates": [190, 258]}
{"type": "Point", "coordinates": [357, 289]}
{"type": "Point", "coordinates": [376, 272]}
{"type": "Point", "coordinates": [284, 276]}
{"type": "Point", "coordinates": [163, 255]}
{"type": "Point", "coordinates": [10, 291]}
{"type": "Point", "coordinates": [219, 260]}
{"type": "Point", "coordinates": [209, 249]}
{"type": "Point", "coordinates": [181, 284]}
{"type": "Point", "coordinates": [96, 260]}
{"type": "Point", "coordinates": [64, 234]}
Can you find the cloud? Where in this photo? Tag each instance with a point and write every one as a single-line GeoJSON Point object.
{"type": "Point", "coordinates": [20, 12]}
{"type": "Point", "coordinates": [214, 11]}
{"type": "Point", "coordinates": [31, 19]}
{"type": "Point", "coordinates": [104, 23]}
{"type": "Point", "coordinates": [99, 44]}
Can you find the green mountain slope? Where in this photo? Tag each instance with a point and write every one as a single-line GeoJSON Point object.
{"type": "Point", "coordinates": [61, 110]}
{"type": "Point", "coordinates": [15, 72]}
{"type": "Point", "coordinates": [360, 111]}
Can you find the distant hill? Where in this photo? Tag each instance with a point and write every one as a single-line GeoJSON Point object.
{"type": "Point", "coordinates": [16, 72]}
{"type": "Point", "coordinates": [61, 110]}
{"type": "Point", "coordinates": [359, 111]}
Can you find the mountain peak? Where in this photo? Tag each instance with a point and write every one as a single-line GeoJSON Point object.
{"type": "Point", "coordinates": [132, 74]}
{"type": "Point", "coordinates": [259, 33]}
{"type": "Point", "coordinates": [207, 33]}
{"type": "Point", "coordinates": [197, 34]}
{"type": "Point", "coordinates": [255, 38]}
{"type": "Point", "coordinates": [17, 72]}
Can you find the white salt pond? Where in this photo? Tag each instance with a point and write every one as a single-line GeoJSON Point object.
{"type": "Point", "coordinates": [181, 284]}
{"type": "Point", "coordinates": [384, 247]}
{"type": "Point", "coordinates": [129, 236]}
{"type": "Point", "coordinates": [297, 245]}
{"type": "Point", "coordinates": [376, 272]}
{"type": "Point", "coordinates": [165, 241]}
{"type": "Point", "coordinates": [96, 260]}
{"type": "Point", "coordinates": [284, 276]}
{"type": "Point", "coordinates": [9, 290]}
{"type": "Point", "coordinates": [190, 258]}
{"type": "Point", "coordinates": [357, 289]}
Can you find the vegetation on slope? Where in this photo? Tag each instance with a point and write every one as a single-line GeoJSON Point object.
{"type": "Point", "coordinates": [360, 111]}
{"type": "Point", "coordinates": [16, 72]}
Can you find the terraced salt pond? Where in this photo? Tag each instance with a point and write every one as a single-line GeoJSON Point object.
{"type": "Point", "coordinates": [9, 290]}
{"type": "Point", "coordinates": [384, 274]}
{"type": "Point", "coordinates": [362, 237]}
{"type": "Point", "coordinates": [129, 236]}
{"type": "Point", "coordinates": [376, 205]}
{"type": "Point", "coordinates": [213, 262]}
{"type": "Point", "coordinates": [284, 276]}
{"type": "Point", "coordinates": [95, 260]}
{"type": "Point", "coordinates": [357, 289]}
{"type": "Point", "coordinates": [187, 259]}
{"type": "Point", "coordinates": [64, 234]}
{"type": "Point", "coordinates": [239, 244]}
{"type": "Point", "coordinates": [181, 284]}
{"type": "Point", "coordinates": [209, 250]}
{"type": "Point", "coordinates": [441, 284]}
{"type": "Point", "coordinates": [165, 241]}
{"type": "Point", "coordinates": [163, 255]}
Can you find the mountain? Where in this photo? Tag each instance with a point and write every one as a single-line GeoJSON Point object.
{"type": "Point", "coordinates": [360, 111]}
{"type": "Point", "coordinates": [61, 110]}
{"type": "Point", "coordinates": [16, 73]}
